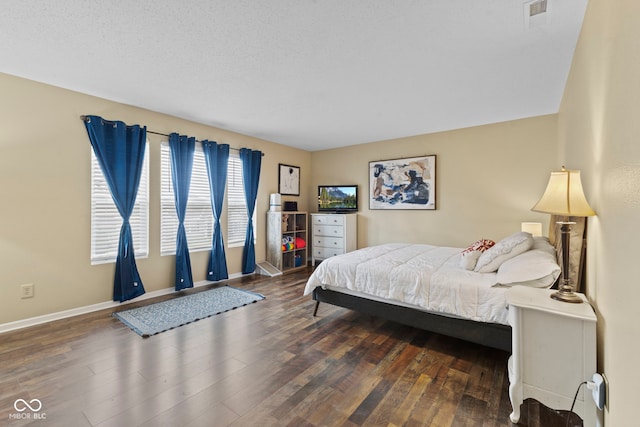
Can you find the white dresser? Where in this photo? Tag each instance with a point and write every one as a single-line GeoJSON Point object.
{"type": "Point", "coordinates": [554, 350]}
{"type": "Point", "coordinates": [333, 234]}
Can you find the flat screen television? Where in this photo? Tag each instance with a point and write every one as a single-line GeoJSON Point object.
{"type": "Point", "coordinates": [337, 198]}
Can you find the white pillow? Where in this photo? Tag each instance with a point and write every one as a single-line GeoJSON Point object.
{"type": "Point", "coordinates": [542, 243]}
{"type": "Point", "coordinates": [537, 268]}
{"type": "Point", "coordinates": [505, 249]}
{"type": "Point", "coordinates": [468, 259]}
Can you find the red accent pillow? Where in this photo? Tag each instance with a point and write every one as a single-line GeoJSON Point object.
{"type": "Point", "coordinates": [481, 246]}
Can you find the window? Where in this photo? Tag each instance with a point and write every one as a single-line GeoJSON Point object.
{"type": "Point", "coordinates": [198, 221]}
{"type": "Point", "coordinates": [106, 221]}
{"type": "Point", "coordinates": [236, 204]}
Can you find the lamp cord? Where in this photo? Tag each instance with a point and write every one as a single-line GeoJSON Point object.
{"type": "Point", "coordinates": [574, 402]}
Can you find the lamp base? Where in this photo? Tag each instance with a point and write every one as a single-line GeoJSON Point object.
{"type": "Point", "coordinates": [565, 290]}
{"type": "Point", "coordinates": [567, 296]}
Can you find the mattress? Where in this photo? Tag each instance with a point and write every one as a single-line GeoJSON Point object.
{"type": "Point", "coordinates": [423, 276]}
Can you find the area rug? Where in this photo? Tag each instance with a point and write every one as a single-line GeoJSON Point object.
{"type": "Point", "coordinates": [162, 316]}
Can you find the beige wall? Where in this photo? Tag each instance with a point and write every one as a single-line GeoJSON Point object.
{"type": "Point", "coordinates": [45, 194]}
{"type": "Point", "coordinates": [600, 134]}
{"type": "Point", "coordinates": [488, 178]}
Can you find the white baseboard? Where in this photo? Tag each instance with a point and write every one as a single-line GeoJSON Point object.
{"type": "Point", "coordinates": [38, 320]}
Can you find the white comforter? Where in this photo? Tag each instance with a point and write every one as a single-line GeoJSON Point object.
{"type": "Point", "coordinates": [421, 276]}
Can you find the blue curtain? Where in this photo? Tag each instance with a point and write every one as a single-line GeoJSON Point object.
{"type": "Point", "coordinates": [182, 148]}
{"type": "Point", "coordinates": [251, 160]}
{"type": "Point", "coordinates": [216, 156]}
{"type": "Point", "coordinates": [120, 151]}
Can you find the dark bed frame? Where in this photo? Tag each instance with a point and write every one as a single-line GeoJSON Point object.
{"type": "Point", "coordinates": [489, 334]}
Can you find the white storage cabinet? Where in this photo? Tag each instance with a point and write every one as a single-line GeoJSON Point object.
{"type": "Point", "coordinates": [333, 234]}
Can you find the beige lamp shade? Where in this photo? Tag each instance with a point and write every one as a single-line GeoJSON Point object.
{"type": "Point", "coordinates": [564, 195]}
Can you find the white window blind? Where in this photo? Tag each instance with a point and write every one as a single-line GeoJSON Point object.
{"type": "Point", "coordinates": [198, 221]}
{"type": "Point", "coordinates": [236, 206]}
{"type": "Point", "coordinates": [106, 221]}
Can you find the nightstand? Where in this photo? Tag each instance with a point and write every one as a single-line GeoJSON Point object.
{"type": "Point", "coordinates": [553, 351]}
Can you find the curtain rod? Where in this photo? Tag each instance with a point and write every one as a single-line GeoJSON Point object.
{"type": "Point", "coordinates": [86, 119]}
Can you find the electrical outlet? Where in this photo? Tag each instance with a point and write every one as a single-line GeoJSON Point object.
{"type": "Point", "coordinates": [26, 291]}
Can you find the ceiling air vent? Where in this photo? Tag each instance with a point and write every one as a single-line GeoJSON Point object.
{"type": "Point", "coordinates": [537, 7]}
{"type": "Point", "coordinates": [536, 13]}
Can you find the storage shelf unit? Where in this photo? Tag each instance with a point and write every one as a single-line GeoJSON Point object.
{"type": "Point", "coordinates": [287, 226]}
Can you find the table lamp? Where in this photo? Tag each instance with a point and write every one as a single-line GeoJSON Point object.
{"type": "Point", "coordinates": [564, 196]}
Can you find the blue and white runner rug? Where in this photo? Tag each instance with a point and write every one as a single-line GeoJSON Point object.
{"type": "Point", "coordinates": [162, 316]}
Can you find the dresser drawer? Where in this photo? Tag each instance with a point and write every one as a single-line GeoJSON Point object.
{"type": "Point", "coordinates": [328, 230]}
{"type": "Point", "coordinates": [328, 219]}
{"type": "Point", "coordinates": [322, 253]}
{"type": "Point", "coordinates": [328, 242]}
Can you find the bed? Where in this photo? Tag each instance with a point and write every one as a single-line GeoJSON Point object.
{"type": "Point", "coordinates": [460, 292]}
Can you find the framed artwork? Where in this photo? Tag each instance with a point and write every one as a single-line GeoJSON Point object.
{"type": "Point", "coordinates": [288, 180]}
{"type": "Point", "coordinates": [408, 183]}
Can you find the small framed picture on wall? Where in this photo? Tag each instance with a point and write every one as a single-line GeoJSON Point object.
{"type": "Point", "coordinates": [288, 180]}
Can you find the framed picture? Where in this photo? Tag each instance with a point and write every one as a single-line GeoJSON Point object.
{"type": "Point", "coordinates": [288, 180]}
{"type": "Point", "coordinates": [408, 183]}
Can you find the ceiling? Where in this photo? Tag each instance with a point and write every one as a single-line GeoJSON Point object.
{"type": "Point", "coordinates": [311, 74]}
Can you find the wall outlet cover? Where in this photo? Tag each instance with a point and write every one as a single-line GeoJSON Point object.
{"type": "Point", "coordinates": [26, 291]}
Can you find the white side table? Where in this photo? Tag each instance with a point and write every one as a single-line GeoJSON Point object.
{"type": "Point", "coordinates": [554, 350]}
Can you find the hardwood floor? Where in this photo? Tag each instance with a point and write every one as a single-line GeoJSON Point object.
{"type": "Point", "coordinates": [267, 364]}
